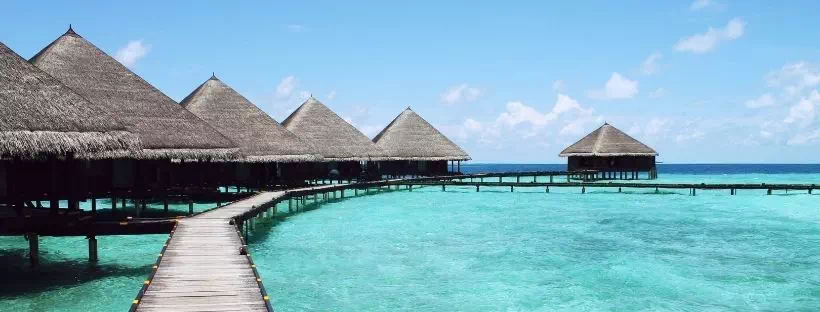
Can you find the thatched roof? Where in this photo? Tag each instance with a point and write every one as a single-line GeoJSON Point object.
{"type": "Point", "coordinates": [260, 137]}
{"type": "Point", "coordinates": [608, 141]}
{"type": "Point", "coordinates": [41, 116]}
{"type": "Point", "coordinates": [166, 129]}
{"type": "Point", "coordinates": [333, 137]}
{"type": "Point", "coordinates": [410, 137]}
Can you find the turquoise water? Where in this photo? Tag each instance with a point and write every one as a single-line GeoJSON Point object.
{"type": "Point", "coordinates": [65, 281]}
{"type": "Point", "coordinates": [428, 250]}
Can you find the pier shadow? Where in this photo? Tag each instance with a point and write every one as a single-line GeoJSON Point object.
{"type": "Point", "coordinates": [19, 279]}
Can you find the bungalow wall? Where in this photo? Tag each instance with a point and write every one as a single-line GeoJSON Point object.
{"type": "Point", "coordinates": [612, 163]}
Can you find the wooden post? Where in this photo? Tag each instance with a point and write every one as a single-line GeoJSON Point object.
{"type": "Point", "coordinates": [694, 191]}
{"type": "Point", "coordinates": [355, 192]}
{"type": "Point", "coordinates": [511, 188]}
{"type": "Point", "coordinates": [442, 188]}
{"type": "Point", "coordinates": [499, 179]}
{"type": "Point", "coordinates": [93, 204]}
{"type": "Point", "coordinates": [583, 190]}
{"type": "Point", "coordinates": [165, 204]}
{"type": "Point", "coordinates": [548, 189]}
{"type": "Point", "coordinates": [92, 248]}
{"type": "Point", "coordinates": [190, 206]}
{"type": "Point", "coordinates": [517, 179]}
{"type": "Point", "coordinates": [656, 190]}
{"type": "Point", "coordinates": [550, 178]}
{"type": "Point", "coordinates": [476, 188]}
{"type": "Point", "coordinates": [410, 187]}
{"type": "Point", "coordinates": [33, 249]}
{"type": "Point", "coordinates": [619, 190]}
{"type": "Point", "coordinates": [113, 203]}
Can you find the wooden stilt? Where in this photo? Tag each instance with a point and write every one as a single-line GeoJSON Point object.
{"type": "Point", "coordinates": [92, 248]}
{"type": "Point", "coordinates": [93, 204]}
{"type": "Point", "coordinates": [33, 249]}
{"type": "Point", "coordinates": [583, 190]}
{"type": "Point", "coordinates": [191, 206]}
{"type": "Point", "coordinates": [476, 188]}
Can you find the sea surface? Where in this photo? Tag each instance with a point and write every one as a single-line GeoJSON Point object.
{"type": "Point", "coordinates": [494, 250]}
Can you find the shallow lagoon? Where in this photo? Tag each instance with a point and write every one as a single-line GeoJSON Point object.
{"type": "Point", "coordinates": [529, 251]}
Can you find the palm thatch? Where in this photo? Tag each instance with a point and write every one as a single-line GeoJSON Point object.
{"type": "Point", "coordinates": [410, 137]}
{"type": "Point", "coordinates": [608, 141]}
{"type": "Point", "coordinates": [166, 129]}
{"type": "Point", "coordinates": [333, 137]}
{"type": "Point", "coordinates": [260, 137]}
{"type": "Point", "coordinates": [41, 116]}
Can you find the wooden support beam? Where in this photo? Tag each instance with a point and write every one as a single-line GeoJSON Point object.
{"type": "Point", "coordinates": [190, 206]}
{"type": "Point", "coordinates": [33, 249]}
{"type": "Point", "coordinates": [93, 203]}
{"type": "Point", "coordinates": [92, 249]}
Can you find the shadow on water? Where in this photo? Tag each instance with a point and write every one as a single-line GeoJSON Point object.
{"type": "Point", "coordinates": [21, 279]}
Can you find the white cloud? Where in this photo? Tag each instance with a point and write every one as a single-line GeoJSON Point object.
{"type": "Point", "coordinates": [285, 87]}
{"type": "Point", "coordinates": [649, 66]}
{"type": "Point", "coordinates": [765, 100]}
{"type": "Point", "coordinates": [802, 113]}
{"type": "Point", "coordinates": [657, 94]}
{"type": "Point", "coordinates": [518, 113]}
{"type": "Point", "coordinates": [331, 95]}
{"type": "Point", "coordinates": [472, 125]}
{"type": "Point", "coordinates": [802, 138]}
{"type": "Point", "coordinates": [132, 52]}
{"type": "Point", "coordinates": [304, 95]}
{"type": "Point", "coordinates": [656, 126]}
{"type": "Point", "coordinates": [702, 43]}
{"type": "Point", "coordinates": [559, 86]}
{"type": "Point", "coordinates": [700, 4]}
{"type": "Point", "coordinates": [617, 87]}
{"type": "Point", "coordinates": [577, 126]}
{"type": "Point", "coordinates": [460, 93]}
{"type": "Point", "coordinates": [689, 136]}
{"type": "Point", "coordinates": [794, 78]}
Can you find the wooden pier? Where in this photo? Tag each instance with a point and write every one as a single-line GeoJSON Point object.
{"type": "Point", "coordinates": [470, 180]}
{"type": "Point", "coordinates": [205, 266]}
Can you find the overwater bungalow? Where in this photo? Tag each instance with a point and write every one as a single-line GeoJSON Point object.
{"type": "Point", "coordinates": [48, 133]}
{"type": "Point", "coordinates": [412, 146]}
{"type": "Point", "coordinates": [346, 150]}
{"type": "Point", "coordinates": [166, 129]}
{"type": "Point", "coordinates": [612, 154]}
{"type": "Point", "coordinates": [270, 153]}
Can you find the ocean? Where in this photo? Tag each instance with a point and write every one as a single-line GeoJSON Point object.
{"type": "Point", "coordinates": [494, 250]}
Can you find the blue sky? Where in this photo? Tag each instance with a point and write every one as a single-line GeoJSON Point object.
{"type": "Point", "coordinates": [516, 81]}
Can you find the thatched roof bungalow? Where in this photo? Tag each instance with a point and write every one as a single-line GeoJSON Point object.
{"type": "Point", "coordinates": [166, 129]}
{"type": "Point", "coordinates": [410, 137]}
{"type": "Point", "coordinates": [611, 152]}
{"type": "Point", "coordinates": [40, 116]}
{"type": "Point", "coordinates": [334, 138]}
{"type": "Point", "coordinates": [413, 146]}
{"type": "Point", "coordinates": [260, 137]}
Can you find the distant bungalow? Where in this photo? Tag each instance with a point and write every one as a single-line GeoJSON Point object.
{"type": "Point", "coordinates": [613, 153]}
{"type": "Point", "coordinates": [166, 129]}
{"type": "Point", "coordinates": [344, 148]}
{"type": "Point", "coordinates": [411, 145]}
{"type": "Point", "coordinates": [262, 141]}
{"type": "Point", "coordinates": [44, 127]}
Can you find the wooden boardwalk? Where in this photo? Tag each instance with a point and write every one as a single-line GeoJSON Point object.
{"type": "Point", "coordinates": [201, 268]}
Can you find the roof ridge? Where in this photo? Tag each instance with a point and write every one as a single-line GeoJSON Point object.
{"type": "Point", "coordinates": [600, 138]}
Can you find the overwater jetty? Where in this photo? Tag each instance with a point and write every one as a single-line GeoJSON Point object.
{"type": "Point", "coordinates": [478, 180]}
{"type": "Point", "coordinates": [205, 264]}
